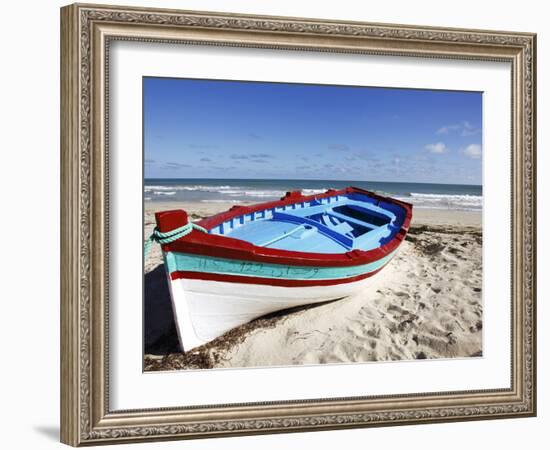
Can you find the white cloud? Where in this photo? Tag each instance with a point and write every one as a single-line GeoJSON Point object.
{"type": "Point", "coordinates": [447, 128]}
{"type": "Point", "coordinates": [464, 128]}
{"type": "Point", "coordinates": [473, 151]}
{"type": "Point", "coordinates": [468, 129]}
{"type": "Point", "coordinates": [438, 148]}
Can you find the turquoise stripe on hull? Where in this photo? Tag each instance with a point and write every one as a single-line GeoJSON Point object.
{"type": "Point", "coordinates": [197, 263]}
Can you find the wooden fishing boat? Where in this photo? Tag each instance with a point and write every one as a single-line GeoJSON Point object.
{"type": "Point", "coordinates": [249, 261]}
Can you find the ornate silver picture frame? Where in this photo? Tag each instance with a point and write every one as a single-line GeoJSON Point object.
{"type": "Point", "coordinates": [87, 32]}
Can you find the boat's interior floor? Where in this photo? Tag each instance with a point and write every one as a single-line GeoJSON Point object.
{"type": "Point", "coordinates": [334, 226]}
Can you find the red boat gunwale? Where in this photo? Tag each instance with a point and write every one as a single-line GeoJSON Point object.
{"type": "Point", "coordinates": [229, 248]}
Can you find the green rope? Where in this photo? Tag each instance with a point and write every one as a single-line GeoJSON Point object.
{"type": "Point", "coordinates": [170, 236]}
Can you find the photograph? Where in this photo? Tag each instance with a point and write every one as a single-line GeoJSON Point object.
{"type": "Point", "coordinates": [290, 224]}
{"type": "Point", "coordinates": [273, 221]}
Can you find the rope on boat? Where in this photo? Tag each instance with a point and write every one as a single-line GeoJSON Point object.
{"type": "Point", "coordinates": [170, 236]}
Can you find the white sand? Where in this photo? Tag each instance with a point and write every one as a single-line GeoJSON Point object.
{"type": "Point", "coordinates": [426, 303]}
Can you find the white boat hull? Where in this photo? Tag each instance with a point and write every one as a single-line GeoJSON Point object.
{"type": "Point", "coordinates": [205, 309]}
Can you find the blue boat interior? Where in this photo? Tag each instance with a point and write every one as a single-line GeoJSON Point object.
{"type": "Point", "coordinates": [335, 224]}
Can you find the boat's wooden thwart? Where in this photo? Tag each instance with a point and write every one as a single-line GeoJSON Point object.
{"type": "Point", "coordinates": [253, 260]}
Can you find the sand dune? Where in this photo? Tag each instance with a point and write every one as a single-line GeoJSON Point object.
{"type": "Point", "coordinates": [427, 303]}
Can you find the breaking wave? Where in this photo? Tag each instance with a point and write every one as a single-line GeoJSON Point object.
{"type": "Point", "coordinates": [267, 192]}
{"type": "Point", "coordinates": [463, 202]}
{"type": "Point", "coordinates": [227, 192]}
{"type": "Point", "coordinates": [200, 188]}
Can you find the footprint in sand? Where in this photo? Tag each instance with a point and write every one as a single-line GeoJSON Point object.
{"type": "Point", "coordinates": [374, 332]}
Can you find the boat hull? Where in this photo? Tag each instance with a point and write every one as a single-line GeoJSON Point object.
{"type": "Point", "coordinates": [205, 310]}
{"type": "Point", "coordinates": [208, 305]}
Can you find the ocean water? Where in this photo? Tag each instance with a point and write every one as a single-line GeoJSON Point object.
{"type": "Point", "coordinates": [421, 195]}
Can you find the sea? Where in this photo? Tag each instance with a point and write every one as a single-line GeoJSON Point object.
{"type": "Point", "coordinates": [422, 195]}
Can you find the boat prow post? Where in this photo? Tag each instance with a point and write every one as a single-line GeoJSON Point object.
{"type": "Point", "coordinates": [170, 220]}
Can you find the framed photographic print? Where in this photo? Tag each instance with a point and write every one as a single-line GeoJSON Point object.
{"type": "Point", "coordinates": [276, 224]}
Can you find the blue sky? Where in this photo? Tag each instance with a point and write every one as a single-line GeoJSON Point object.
{"type": "Point", "coordinates": [228, 129]}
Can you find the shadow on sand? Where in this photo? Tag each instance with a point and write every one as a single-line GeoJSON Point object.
{"type": "Point", "coordinates": [160, 333]}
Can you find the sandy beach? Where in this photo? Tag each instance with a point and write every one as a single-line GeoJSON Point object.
{"type": "Point", "coordinates": [427, 303]}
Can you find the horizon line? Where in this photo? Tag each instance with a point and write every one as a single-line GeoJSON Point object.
{"type": "Point", "coordinates": [308, 179]}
